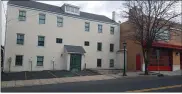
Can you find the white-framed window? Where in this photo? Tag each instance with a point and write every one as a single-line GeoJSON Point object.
{"type": "Point", "coordinates": [112, 30]}
{"type": "Point", "coordinates": [99, 28]}
{"type": "Point", "coordinates": [42, 18]}
{"type": "Point", "coordinates": [67, 8]}
{"type": "Point", "coordinates": [40, 60]}
{"type": "Point", "coordinates": [111, 65]}
{"type": "Point", "coordinates": [59, 21]}
{"type": "Point", "coordinates": [87, 26]}
{"type": "Point", "coordinates": [163, 35]}
{"type": "Point", "coordinates": [20, 39]}
{"type": "Point", "coordinates": [22, 15]}
{"type": "Point", "coordinates": [72, 9]}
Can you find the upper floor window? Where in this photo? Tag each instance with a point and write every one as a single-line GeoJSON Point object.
{"type": "Point", "coordinates": [111, 47]}
{"type": "Point", "coordinates": [67, 8]}
{"type": "Point", "coordinates": [20, 39]}
{"type": "Point", "coordinates": [86, 43]}
{"type": "Point", "coordinates": [59, 21]}
{"type": "Point", "coordinates": [72, 9]}
{"type": "Point", "coordinates": [99, 46]}
{"type": "Point", "coordinates": [41, 40]}
{"type": "Point", "coordinates": [99, 28]}
{"type": "Point", "coordinates": [111, 30]}
{"type": "Point", "coordinates": [58, 40]}
{"type": "Point", "coordinates": [163, 35]}
{"type": "Point", "coordinates": [87, 26]}
{"type": "Point", "coordinates": [42, 18]}
{"type": "Point", "coordinates": [19, 60]}
{"type": "Point", "coordinates": [22, 15]}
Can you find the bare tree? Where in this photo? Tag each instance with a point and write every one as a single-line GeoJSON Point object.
{"type": "Point", "coordinates": [151, 19]}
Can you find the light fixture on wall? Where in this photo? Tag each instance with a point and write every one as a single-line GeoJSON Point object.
{"type": "Point", "coordinates": [177, 53]}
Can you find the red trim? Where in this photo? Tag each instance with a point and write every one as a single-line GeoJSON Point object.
{"type": "Point", "coordinates": [165, 45]}
{"type": "Point", "coordinates": [161, 68]}
{"type": "Point", "coordinates": [157, 44]}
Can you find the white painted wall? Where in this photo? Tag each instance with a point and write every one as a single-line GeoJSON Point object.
{"type": "Point", "coordinates": [73, 33]}
{"type": "Point", "coordinates": [176, 67]}
{"type": "Point", "coordinates": [120, 60]}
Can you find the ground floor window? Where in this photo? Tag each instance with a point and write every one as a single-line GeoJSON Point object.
{"type": "Point", "coordinates": [111, 63]}
{"type": "Point", "coordinates": [19, 60]}
{"type": "Point", "coordinates": [40, 60]}
{"type": "Point", "coordinates": [99, 62]}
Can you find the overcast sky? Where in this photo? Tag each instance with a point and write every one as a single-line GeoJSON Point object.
{"type": "Point", "coordinates": [96, 7]}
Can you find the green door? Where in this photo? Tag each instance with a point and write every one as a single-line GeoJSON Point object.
{"type": "Point", "coordinates": [75, 62]}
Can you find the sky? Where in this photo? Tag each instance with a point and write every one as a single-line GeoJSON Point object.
{"type": "Point", "coordinates": [97, 7]}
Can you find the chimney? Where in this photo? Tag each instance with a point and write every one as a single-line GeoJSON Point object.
{"type": "Point", "coordinates": [113, 15]}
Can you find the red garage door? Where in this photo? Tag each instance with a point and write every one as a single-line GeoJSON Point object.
{"type": "Point", "coordinates": [165, 60]}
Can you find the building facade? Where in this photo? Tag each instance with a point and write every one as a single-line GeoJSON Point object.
{"type": "Point", "coordinates": [170, 52]}
{"type": "Point", "coordinates": [45, 37]}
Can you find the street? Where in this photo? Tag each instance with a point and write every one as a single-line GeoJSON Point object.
{"type": "Point", "coordinates": [133, 84]}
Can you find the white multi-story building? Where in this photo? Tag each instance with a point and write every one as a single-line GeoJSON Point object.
{"type": "Point", "coordinates": [46, 37]}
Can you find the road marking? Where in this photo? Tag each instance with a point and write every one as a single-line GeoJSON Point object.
{"type": "Point", "coordinates": [52, 74]}
{"type": "Point", "coordinates": [158, 88]}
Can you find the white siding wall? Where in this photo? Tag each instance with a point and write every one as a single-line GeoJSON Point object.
{"type": "Point", "coordinates": [73, 33]}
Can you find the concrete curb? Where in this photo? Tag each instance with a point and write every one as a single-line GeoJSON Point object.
{"type": "Point", "coordinates": [21, 83]}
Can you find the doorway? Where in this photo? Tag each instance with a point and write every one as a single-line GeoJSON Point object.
{"type": "Point", "coordinates": [75, 62]}
{"type": "Point", "coordinates": [138, 62]}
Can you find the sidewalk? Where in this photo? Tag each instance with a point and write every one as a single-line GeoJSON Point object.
{"type": "Point", "coordinates": [21, 83]}
{"type": "Point", "coordinates": [170, 73]}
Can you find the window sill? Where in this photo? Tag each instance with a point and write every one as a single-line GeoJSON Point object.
{"type": "Point", "coordinates": [41, 46]}
{"type": "Point", "coordinates": [18, 65]}
{"type": "Point", "coordinates": [39, 66]}
{"type": "Point", "coordinates": [20, 44]}
{"type": "Point", "coordinates": [99, 51]}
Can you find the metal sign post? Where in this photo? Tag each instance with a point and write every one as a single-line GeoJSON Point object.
{"type": "Point", "coordinates": [53, 59]}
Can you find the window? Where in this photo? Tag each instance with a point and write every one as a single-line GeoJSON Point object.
{"type": "Point", "coordinates": [40, 60]}
{"type": "Point", "coordinates": [41, 40]}
{"type": "Point", "coordinates": [87, 26]}
{"type": "Point", "coordinates": [19, 60]}
{"type": "Point", "coordinates": [20, 39]}
{"type": "Point", "coordinates": [111, 47]}
{"type": "Point", "coordinates": [99, 46]}
{"type": "Point", "coordinates": [111, 63]}
{"type": "Point", "coordinates": [67, 8]}
{"type": "Point", "coordinates": [112, 30]}
{"type": "Point", "coordinates": [86, 43]}
{"type": "Point", "coordinates": [58, 40]}
{"type": "Point", "coordinates": [59, 21]}
{"type": "Point", "coordinates": [99, 62]}
{"type": "Point", "coordinates": [76, 10]}
{"type": "Point", "coordinates": [22, 15]}
{"type": "Point", "coordinates": [100, 28]}
{"type": "Point", "coordinates": [163, 35]}
{"type": "Point", "coordinates": [72, 9]}
{"type": "Point", "coordinates": [42, 18]}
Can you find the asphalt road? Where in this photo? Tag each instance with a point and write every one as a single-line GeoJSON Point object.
{"type": "Point", "coordinates": [163, 84]}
